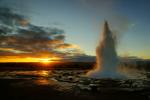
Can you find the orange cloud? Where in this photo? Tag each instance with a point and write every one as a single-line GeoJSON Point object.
{"type": "Point", "coordinates": [66, 46]}
{"type": "Point", "coordinates": [31, 41]}
{"type": "Point", "coordinates": [23, 22]}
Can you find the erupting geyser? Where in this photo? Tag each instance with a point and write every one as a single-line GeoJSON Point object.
{"type": "Point", "coordinates": [106, 56]}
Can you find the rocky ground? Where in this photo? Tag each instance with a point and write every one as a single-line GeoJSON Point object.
{"type": "Point", "coordinates": [72, 85]}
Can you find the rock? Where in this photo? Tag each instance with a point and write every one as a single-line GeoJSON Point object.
{"type": "Point", "coordinates": [94, 87]}
{"type": "Point", "coordinates": [84, 87]}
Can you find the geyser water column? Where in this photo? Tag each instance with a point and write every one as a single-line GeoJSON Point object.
{"type": "Point", "coordinates": [106, 56]}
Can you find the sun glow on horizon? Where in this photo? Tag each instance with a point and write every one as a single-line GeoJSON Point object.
{"type": "Point", "coordinates": [45, 60]}
{"type": "Point", "coordinates": [28, 59]}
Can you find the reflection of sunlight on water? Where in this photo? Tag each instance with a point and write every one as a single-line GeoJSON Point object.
{"type": "Point", "coordinates": [132, 73]}
{"type": "Point", "coordinates": [41, 73]}
{"type": "Point", "coordinates": [44, 82]}
{"type": "Point", "coordinates": [59, 86]}
{"type": "Point", "coordinates": [25, 74]}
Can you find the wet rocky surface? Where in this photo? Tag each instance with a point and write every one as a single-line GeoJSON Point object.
{"type": "Point", "coordinates": [82, 85]}
{"type": "Point", "coordinates": [70, 85]}
{"type": "Point", "coordinates": [81, 81]}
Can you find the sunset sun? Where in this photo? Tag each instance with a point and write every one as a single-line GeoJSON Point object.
{"type": "Point", "coordinates": [45, 61]}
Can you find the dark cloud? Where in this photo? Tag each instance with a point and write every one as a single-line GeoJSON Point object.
{"type": "Point", "coordinates": [60, 37]}
{"type": "Point", "coordinates": [19, 37]}
{"type": "Point", "coordinates": [8, 17]}
{"type": "Point", "coordinates": [80, 58]}
{"type": "Point", "coordinates": [66, 46]}
{"type": "Point", "coordinates": [84, 58]}
{"type": "Point", "coordinates": [2, 32]}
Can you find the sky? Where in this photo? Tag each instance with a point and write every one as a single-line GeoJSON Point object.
{"type": "Point", "coordinates": [71, 28]}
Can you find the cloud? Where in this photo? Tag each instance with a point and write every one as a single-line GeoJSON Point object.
{"type": "Point", "coordinates": [20, 38]}
{"type": "Point", "coordinates": [80, 58]}
{"type": "Point", "coordinates": [8, 17]}
{"type": "Point", "coordinates": [67, 46]}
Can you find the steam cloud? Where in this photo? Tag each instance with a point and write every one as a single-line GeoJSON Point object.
{"type": "Point", "coordinates": [106, 56]}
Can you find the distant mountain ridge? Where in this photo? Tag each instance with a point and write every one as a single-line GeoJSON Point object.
{"type": "Point", "coordinates": [87, 58]}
